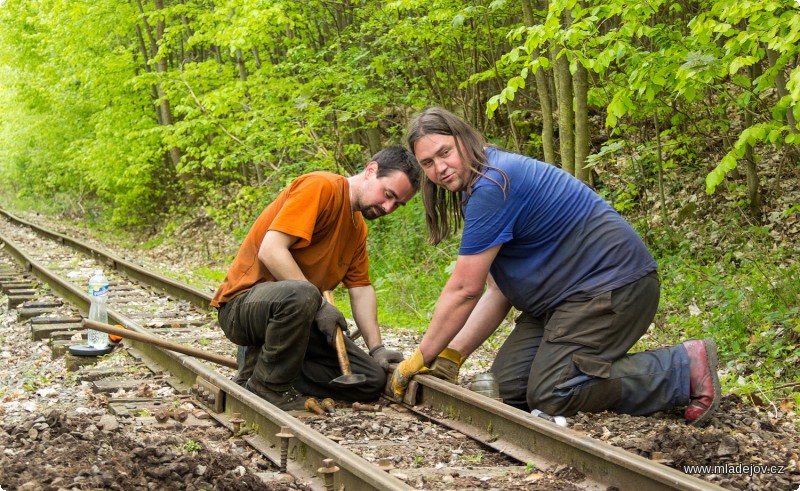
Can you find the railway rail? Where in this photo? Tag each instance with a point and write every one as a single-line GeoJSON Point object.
{"type": "Point", "coordinates": [328, 451]}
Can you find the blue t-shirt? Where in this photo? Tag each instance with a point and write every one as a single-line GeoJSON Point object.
{"type": "Point", "coordinates": [560, 240]}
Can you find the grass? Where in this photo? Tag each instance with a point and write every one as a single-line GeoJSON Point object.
{"type": "Point", "coordinates": [753, 319]}
{"type": "Point", "coordinates": [192, 446]}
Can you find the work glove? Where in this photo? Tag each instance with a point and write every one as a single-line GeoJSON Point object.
{"type": "Point", "coordinates": [327, 318]}
{"type": "Point", "coordinates": [385, 356]}
{"type": "Point", "coordinates": [405, 370]}
{"type": "Point", "coordinates": [447, 365]}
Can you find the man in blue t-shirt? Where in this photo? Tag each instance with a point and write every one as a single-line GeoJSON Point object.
{"type": "Point", "coordinates": [537, 239]}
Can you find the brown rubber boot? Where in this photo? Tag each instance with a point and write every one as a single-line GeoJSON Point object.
{"type": "Point", "coordinates": [704, 388]}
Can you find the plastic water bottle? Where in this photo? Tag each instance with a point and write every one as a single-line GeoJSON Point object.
{"type": "Point", "coordinates": [98, 292]}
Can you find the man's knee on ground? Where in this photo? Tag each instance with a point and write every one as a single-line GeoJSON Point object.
{"type": "Point", "coordinates": [554, 403]}
{"type": "Point", "coordinates": [376, 377]}
{"type": "Point", "coordinates": [369, 390]}
{"type": "Point", "coordinates": [513, 393]}
{"type": "Point", "coordinates": [376, 385]}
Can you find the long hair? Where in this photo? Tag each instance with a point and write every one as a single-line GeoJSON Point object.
{"type": "Point", "coordinates": [444, 213]}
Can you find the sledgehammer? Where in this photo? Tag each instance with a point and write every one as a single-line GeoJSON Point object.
{"type": "Point", "coordinates": [161, 343]}
{"type": "Point", "coordinates": [348, 378]}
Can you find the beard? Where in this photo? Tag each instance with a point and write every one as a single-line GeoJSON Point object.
{"type": "Point", "coordinates": [372, 212]}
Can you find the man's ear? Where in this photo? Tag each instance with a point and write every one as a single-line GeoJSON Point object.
{"type": "Point", "coordinates": [371, 168]}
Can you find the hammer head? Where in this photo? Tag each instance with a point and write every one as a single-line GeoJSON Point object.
{"type": "Point", "coordinates": [349, 380]}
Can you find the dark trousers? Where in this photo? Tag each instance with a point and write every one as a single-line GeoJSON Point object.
{"type": "Point", "coordinates": [574, 358]}
{"type": "Point", "coordinates": [280, 345]}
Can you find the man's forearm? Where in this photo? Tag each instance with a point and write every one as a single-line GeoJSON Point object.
{"type": "Point", "coordinates": [364, 305]}
{"type": "Point", "coordinates": [283, 267]}
{"type": "Point", "coordinates": [275, 254]}
{"type": "Point", "coordinates": [451, 313]}
{"type": "Point", "coordinates": [492, 308]}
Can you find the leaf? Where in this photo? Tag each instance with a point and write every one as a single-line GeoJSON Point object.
{"type": "Point", "coordinates": [517, 83]}
{"type": "Point", "coordinates": [739, 62]}
{"type": "Point", "coordinates": [697, 61]}
{"type": "Point", "coordinates": [491, 105]}
{"type": "Point", "coordinates": [617, 108]}
{"type": "Point", "coordinates": [716, 176]}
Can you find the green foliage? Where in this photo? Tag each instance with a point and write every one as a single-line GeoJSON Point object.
{"type": "Point", "coordinates": [648, 63]}
{"type": "Point", "coordinates": [768, 26]}
{"type": "Point", "coordinates": [192, 446]}
{"type": "Point", "coordinates": [750, 307]}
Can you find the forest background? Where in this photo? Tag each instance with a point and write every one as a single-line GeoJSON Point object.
{"type": "Point", "coordinates": [139, 117]}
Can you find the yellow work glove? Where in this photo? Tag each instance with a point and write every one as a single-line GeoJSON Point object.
{"type": "Point", "coordinates": [405, 370]}
{"type": "Point", "coordinates": [447, 365]}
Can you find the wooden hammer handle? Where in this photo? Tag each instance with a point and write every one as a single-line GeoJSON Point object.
{"type": "Point", "coordinates": [341, 352]}
{"type": "Point", "coordinates": [160, 342]}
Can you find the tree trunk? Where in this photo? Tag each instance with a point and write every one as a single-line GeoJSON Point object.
{"type": "Point", "coordinates": [256, 57]}
{"type": "Point", "coordinates": [660, 175]}
{"type": "Point", "coordinates": [751, 171]}
{"type": "Point", "coordinates": [242, 72]}
{"type": "Point", "coordinates": [565, 96]}
{"type": "Point", "coordinates": [780, 87]}
{"type": "Point", "coordinates": [148, 55]}
{"type": "Point", "coordinates": [543, 92]}
{"type": "Point", "coordinates": [162, 68]}
{"type": "Point", "coordinates": [566, 115]}
{"type": "Point", "coordinates": [580, 85]}
{"type": "Point", "coordinates": [374, 140]}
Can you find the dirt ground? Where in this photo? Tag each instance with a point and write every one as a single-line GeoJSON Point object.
{"type": "Point", "coordinates": [55, 450]}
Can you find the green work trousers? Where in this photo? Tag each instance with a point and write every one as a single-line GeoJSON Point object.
{"type": "Point", "coordinates": [279, 343]}
{"type": "Point", "coordinates": [574, 358]}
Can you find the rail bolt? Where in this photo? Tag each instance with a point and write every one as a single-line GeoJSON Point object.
{"type": "Point", "coordinates": [327, 470]}
{"type": "Point", "coordinates": [237, 421]}
{"type": "Point", "coordinates": [284, 435]}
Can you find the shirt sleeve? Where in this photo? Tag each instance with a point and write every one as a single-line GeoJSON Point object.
{"type": "Point", "coordinates": [488, 218]}
{"type": "Point", "coordinates": [299, 213]}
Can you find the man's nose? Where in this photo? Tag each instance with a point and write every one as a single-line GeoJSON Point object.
{"type": "Point", "coordinates": [439, 165]}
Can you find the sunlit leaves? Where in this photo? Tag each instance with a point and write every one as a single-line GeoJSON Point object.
{"type": "Point", "coordinates": [255, 85]}
{"type": "Point", "coordinates": [507, 94]}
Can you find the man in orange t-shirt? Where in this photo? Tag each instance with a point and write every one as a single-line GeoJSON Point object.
{"type": "Point", "coordinates": [307, 241]}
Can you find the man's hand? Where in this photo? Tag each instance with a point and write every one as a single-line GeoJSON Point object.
{"type": "Point", "coordinates": [385, 356]}
{"type": "Point", "coordinates": [327, 318]}
{"type": "Point", "coordinates": [447, 365]}
{"type": "Point", "coordinates": [405, 370]}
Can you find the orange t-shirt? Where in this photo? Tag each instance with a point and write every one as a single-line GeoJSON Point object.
{"type": "Point", "coordinates": [333, 240]}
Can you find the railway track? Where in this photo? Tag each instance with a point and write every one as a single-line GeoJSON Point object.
{"type": "Point", "coordinates": [489, 444]}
